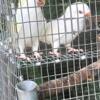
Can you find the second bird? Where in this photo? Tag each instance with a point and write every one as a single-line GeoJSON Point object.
{"type": "Point", "coordinates": [66, 28]}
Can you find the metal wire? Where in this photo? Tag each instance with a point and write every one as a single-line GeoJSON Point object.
{"type": "Point", "coordinates": [49, 67]}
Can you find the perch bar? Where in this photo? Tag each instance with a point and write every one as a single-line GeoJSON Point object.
{"type": "Point", "coordinates": [88, 72]}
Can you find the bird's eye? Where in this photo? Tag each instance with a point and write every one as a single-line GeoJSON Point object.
{"type": "Point", "coordinates": [80, 12]}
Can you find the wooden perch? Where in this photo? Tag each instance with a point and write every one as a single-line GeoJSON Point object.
{"type": "Point", "coordinates": [53, 86]}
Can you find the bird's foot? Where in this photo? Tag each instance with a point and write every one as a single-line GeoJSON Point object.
{"type": "Point", "coordinates": [57, 54]}
{"type": "Point", "coordinates": [23, 57]}
{"type": "Point", "coordinates": [37, 55]}
{"type": "Point", "coordinates": [73, 50]}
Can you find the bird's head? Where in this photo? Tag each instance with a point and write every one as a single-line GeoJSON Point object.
{"type": "Point", "coordinates": [78, 10]}
{"type": "Point", "coordinates": [40, 3]}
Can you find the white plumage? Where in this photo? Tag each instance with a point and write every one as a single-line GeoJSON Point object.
{"type": "Point", "coordinates": [30, 22]}
{"type": "Point", "coordinates": [66, 28]}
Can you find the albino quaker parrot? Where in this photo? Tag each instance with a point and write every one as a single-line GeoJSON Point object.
{"type": "Point", "coordinates": [66, 28]}
{"type": "Point", "coordinates": [29, 24]}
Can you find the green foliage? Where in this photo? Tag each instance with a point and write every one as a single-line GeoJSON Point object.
{"type": "Point", "coordinates": [88, 91]}
{"type": "Point", "coordinates": [30, 71]}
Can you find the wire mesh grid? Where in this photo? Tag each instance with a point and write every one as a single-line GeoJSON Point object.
{"type": "Point", "coordinates": [37, 31]}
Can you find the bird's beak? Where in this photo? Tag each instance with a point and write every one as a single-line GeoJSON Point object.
{"type": "Point", "coordinates": [40, 3]}
{"type": "Point", "coordinates": [88, 14]}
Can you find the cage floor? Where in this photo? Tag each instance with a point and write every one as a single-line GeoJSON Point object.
{"type": "Point", "coordinates": [53, 59]}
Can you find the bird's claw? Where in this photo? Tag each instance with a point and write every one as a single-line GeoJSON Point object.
{"type": "Point", "coordinates": [73, 50]}
{"type": "Point", "coordinates": [23, 57]}
{"type": "Point", "coordinates": [57, 54]}
{"type": "Point", "coordinates": [37, 55]}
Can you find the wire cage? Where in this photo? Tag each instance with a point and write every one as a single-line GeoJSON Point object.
{"type": "Point", "coordinates": [28, 28]}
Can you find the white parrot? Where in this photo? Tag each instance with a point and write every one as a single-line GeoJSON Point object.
{"type": "Point", "coordinates": [66, 28]}
{"type": "Point", "coordinates": [29, 24]}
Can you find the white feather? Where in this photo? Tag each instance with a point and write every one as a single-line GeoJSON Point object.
{"type": "Point", "coordinates": [30, 22]}
{"type": "Point", "coordinates": [65, 29]}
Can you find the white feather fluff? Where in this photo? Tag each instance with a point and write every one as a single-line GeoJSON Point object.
{"type": "Point", "coordinates": [66, 28]}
